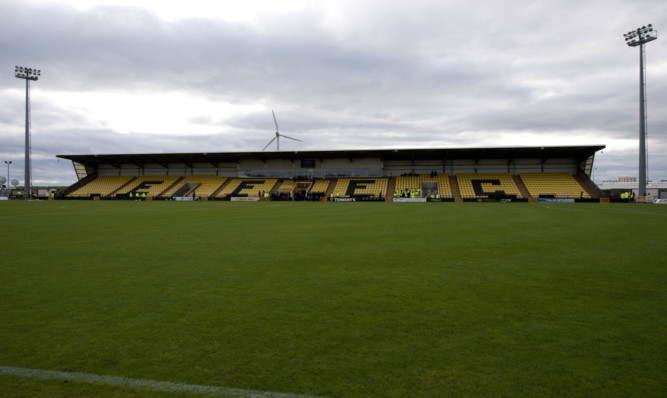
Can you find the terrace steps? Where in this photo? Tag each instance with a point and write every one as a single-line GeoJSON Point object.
{"type": "Point", "coordinates": [76, 186]}
{"type": "Point", "coordinates": [113, 193]}
{"type": "Point", "coordinates": [522, 187]}
{"type": "Point", "coordinates": [332, 187]}
{"type": "Point", "coordinates": [217, 191]}
{"type": "Point", "coordinates": [589, 186]}
{"type": "Point", "coordinates": [454, 185]}
{"type": "Point", "coordinates": [391, 187]}
{"type": "Point", "coordinates": [180, 179]}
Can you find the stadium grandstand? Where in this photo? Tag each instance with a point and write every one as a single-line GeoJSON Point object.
{"type": "Point", "coordinates": [461, 174]}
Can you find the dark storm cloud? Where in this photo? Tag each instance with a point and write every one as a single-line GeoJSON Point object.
{"type": "Point", "coordinates": [385, 74]}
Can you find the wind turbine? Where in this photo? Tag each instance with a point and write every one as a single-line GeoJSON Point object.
{"type": "Point", "coordinates": [278, 135]}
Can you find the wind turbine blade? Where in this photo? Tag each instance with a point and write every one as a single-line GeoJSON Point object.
{"type": "Point", "coordinates": [270, 142]}
{"type": "Point", "coordinates": [275, 121]}
{"type": "Point", "coordinates": [295, 139]}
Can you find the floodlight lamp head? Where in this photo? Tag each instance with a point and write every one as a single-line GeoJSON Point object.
{"type": "Point", "coordinates": [641, 36]}
{"type": "Point", "coordinates": [22, 72]}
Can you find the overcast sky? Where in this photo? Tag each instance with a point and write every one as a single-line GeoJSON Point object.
{"type": "Point", "coordinates": [139, 76]}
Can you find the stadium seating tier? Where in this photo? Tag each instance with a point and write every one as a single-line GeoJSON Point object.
{"type": "Point", "coordinates": [485, 185]}
{"type": "Point", "coordinates": [103, 186]}
{"type": "Point", "coordinates": [558, 185]}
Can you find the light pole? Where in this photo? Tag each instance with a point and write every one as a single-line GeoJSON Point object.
{"type": "Point", "coordinates": [8, 163]}
{"type": "Point", "coordinates": [635, 38]}
{"type": "Point", "coordinates": [27, 74]}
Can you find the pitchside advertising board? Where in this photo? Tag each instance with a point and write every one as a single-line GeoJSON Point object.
{"type": "Point", "coordinates": [244, 199]}
{"type": "Point", "coordinates": [554, 200]}
{"type": "Point", "coordinates": [409, 200]}
{"type": "Point", "coordinates": [649, 199]}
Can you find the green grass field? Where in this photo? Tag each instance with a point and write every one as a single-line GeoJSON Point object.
{"type": "Point", "coordinates": [336, 299]}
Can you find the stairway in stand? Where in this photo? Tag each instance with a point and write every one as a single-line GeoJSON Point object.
{"type": "Point", "coordinates": [391, 188]}
{"type": "Point", "coordinates": [589, 186]}
{"type": "Point", "coordinates": [454, 184]}
{"type": "Point", "coordinates": [330, 189]}
{"type": "Point", "coordinates": [522, 187]}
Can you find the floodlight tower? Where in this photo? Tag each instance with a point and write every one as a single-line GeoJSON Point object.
{"type": "Point", "coordinates": [8, 163]}
{"type": "Point", "coordinates": [635, 38]}
{"type": "Point", "coordinates": [27, 74]}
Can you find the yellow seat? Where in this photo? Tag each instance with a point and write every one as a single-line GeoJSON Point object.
{"type": "Point", "coordinates": [103, 185]}
{"type": "Point", "coordinates": [558, 185]}
{"type": "Point", "coordinates": [501, 182]}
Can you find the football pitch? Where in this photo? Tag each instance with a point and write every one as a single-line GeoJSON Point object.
{"type": "Point", "coordinates": [285, 299]}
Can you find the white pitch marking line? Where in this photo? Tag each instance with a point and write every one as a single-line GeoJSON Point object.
{"type": "Point", "coordinates": [141, 384]}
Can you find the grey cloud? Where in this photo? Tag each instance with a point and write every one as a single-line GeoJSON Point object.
{"type": "Point", "coordinates": [385, 74]}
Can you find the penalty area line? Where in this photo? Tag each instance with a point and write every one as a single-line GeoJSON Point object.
{"type": "Point", "coordinates": [141, 384]}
